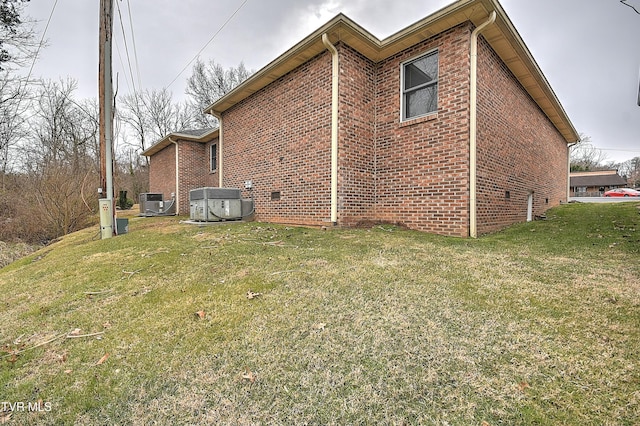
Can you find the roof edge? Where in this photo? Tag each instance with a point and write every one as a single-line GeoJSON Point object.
{"type": "Point", "coordinates": [177, 136]}
{"type": "Point", "coordinates": [502, 36]}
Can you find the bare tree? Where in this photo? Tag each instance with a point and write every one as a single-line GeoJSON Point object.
{"type": "Point", "coordinates": [151, 115]}
{"type": "Point", "coordinates": [16, 35]}
{"type": "Point", "coordinates": [631, 170]}
{"type": "Point", "coordinates": [586, 157]}
{"type": "Point", "coordinates": [14, 105]}
{"type": "Point", "coordinates": [208, 83]}
{"type": "Point", "coordinates": [59, 166]}
{"type": "Point", "coordinates": [17, 46]}
{"type": "Point", "coordinates": [165, 116]}
{"type": "Point", "coordinates": [132, 113]}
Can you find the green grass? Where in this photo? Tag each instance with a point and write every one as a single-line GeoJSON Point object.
{"type": "Point", "coordinates": [538, 324]}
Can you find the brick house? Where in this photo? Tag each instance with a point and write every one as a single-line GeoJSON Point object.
{"type": "Point", "coordinates": [594, 184]}
{"type": "Point", "coordinates": [448, 126]}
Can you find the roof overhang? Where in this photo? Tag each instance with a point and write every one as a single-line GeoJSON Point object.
{"type": "Point", "coordinates": [502, 36]}
{"type": "Point", "coordinates": [177, 137]}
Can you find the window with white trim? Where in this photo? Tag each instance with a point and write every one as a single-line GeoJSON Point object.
{"type": "Point", "coordinates": [419, 86]}
{"type": "Point", "coordinates": [213, 157]}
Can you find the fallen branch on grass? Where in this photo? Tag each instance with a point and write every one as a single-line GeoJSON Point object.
{"type": "Point", "coordinates": [18, 352]}
{"type": "Point", "coordinates": [69, 335]}
{"type": "Point", "coordinates": [289, 271]}
{"type": "Point", "coordinates": [78, 336]}
{"type": "Point", "coordinates": [95, 293]}
{"type": "Point", "coordinates": [131, 273]}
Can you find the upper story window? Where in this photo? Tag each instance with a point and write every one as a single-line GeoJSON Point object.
{"type": "Point", "coordinates": [213, 157]}
{"type": "Point", "coordinates": [419, 82]}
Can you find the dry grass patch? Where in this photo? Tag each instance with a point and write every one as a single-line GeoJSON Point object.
{"type": "Point", "coordinates": [380, 326]}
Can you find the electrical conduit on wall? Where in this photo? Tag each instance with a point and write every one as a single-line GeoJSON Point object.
{"type": "Point", "coordinates": [473, 127]}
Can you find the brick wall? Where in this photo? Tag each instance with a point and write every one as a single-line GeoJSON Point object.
{"type": "Point", "coordinates": [194, 169]}
{"type": "Point", "coordinates": [422, 164]}
{"type": "Point", "coordinates": [211, 178]}
{"type": "Point", "coordinates": [356, 151]}
{"type": "Point", "coordinates": [162, 171]}
{"type": "Point", "coordinates": [414, 173]}
{"type": "Point", "coordinates": [519, 150]}
{"type": "Point", "coordinates": [280, 139]}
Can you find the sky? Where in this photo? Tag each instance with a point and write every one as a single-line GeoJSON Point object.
{"type": "Point", "coordinates": [589, 50]}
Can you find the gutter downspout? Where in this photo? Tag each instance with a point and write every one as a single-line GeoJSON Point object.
{"type": "Point", "coordinates": [177, 176]}
{"type": "Point", "coordinates": [569, 146]}
{"type": "Point", "coordinates": [334, 126]}
{"type": "Point", "coordinates": [473, 127]}
{"type": "Point", "coordinates": [220, 146]}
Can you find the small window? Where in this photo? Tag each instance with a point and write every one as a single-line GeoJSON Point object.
{"type": "Point", "coordinates": [419, 86]}
{"type": "Point", "coordinates": [213, 157]}
{"type": "Point", "coordinates": [275, 195]}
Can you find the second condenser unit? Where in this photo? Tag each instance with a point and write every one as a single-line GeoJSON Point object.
{"type": "Point", "coordinates": [153, 204]}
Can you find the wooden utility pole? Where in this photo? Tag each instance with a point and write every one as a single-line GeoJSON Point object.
{"type": "Point", "coordinates": [105, 101]}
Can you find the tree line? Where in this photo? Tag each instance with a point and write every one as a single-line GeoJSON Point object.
{"type": "Point", "coordinates": [49, 146]}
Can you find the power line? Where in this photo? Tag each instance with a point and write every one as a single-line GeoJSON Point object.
{"type": "Point", "coordinates": [133, 39]}
{"type": "Point", "coordinates": [631, 6]}
{"type": "Point", "coordinates": [208, 43]}
{"type": "Point", "coordinates": [35, 58]}
{"type": "Point", "coordinates": [126, 47]}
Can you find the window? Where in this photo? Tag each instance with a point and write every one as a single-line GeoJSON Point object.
{"type": "Point", "coordinates": [213, 157]}
{"type": "Point", "coordinates": [420, 86]}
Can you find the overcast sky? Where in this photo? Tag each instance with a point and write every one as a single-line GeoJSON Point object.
{"type": "Point", "coordinates": [589, 50]}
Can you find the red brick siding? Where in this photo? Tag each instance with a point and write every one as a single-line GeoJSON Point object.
{"type": "Point", "coordinates": [162, 171]}
{"type": "Point", "coordinates": [211, 178]}
{"type": "Point", "coordinates": [422, 165]}
{"type": "Point", "coordinates": [415, 173]}
{"type": "Point", "coordinates": [356, 151]}
{"type": "Point", "coordinates": [519, 149]}
{"type": "Point", "coordinates": [194, 167]}
{"type": "Point", "coordinates": [280, 139]}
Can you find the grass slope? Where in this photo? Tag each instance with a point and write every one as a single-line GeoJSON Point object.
{"type": "Point", "coordinates": [538, 324]}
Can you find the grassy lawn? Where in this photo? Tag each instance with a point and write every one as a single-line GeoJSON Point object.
{"type": "Point", "coordinates": [262, 324]}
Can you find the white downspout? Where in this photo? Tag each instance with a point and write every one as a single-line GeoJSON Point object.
{"type": "Point", "coordinates": [569, 146]}
{"type": "Point", "coordinates": [473, 123]}
{"type": "Point", "coordinates": [334, 127]}
{"type": "Point", "coordinates": [220, 146]}
{"type": "Point", "coordinates": [177, 176]}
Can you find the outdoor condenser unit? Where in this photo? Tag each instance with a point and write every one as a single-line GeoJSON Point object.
{"type": "Point", "coordinates": [217, 204]}
{"type": "Point", "coordinates": [153, 204]}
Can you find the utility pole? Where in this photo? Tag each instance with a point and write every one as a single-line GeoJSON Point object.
{"type": "Point", "coordinates": [105, 100]}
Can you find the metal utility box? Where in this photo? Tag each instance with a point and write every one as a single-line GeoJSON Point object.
{"type": "Point", "coordinates": [122, 226]}
{"type": "Point", "coordinates": [106, 218]}
{"type": "Point", "coordinates": [215, 204]}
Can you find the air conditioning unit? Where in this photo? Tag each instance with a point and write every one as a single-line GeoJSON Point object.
{"type": "Point", "coordinates": [153, 204]}
{"type": "Point", "coordinates": [217, 204]}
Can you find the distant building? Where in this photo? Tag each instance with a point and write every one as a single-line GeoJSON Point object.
{"type": "Point", "coordinates": [594, 184]}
